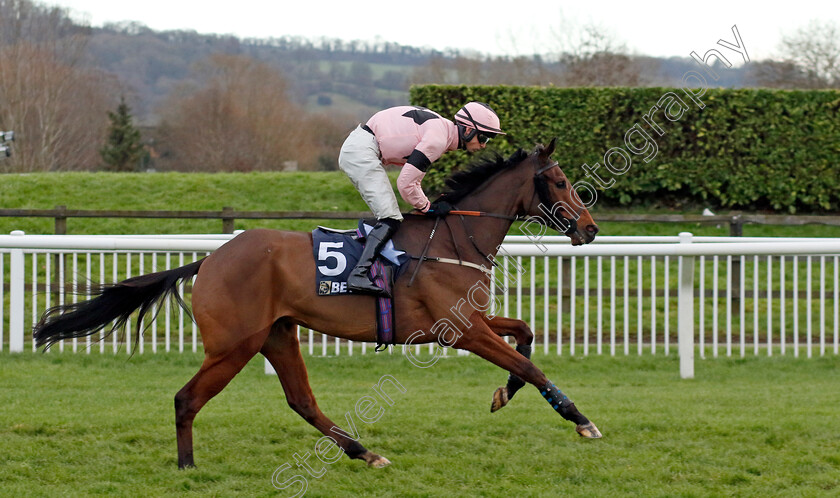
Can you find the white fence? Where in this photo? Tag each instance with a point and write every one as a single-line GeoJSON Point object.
{"type": "Point", "coordinates": [621, 295]}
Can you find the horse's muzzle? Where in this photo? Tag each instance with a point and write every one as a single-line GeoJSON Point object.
{"type": "Point", "coordinates": [584, 235]}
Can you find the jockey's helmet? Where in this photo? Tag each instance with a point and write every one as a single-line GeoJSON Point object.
{"type": "Point", "coordinates": [481, 119]}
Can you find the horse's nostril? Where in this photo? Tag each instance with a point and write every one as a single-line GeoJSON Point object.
{"type": "Point", "coordinates": [592, 229]}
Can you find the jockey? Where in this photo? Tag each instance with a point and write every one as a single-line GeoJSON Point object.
{"type": "Point", "coordinates": [411, 137]}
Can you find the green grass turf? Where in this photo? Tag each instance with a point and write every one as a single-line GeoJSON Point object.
{"type": "Point", "coordinates": [78, 424]}
{"type": "Point", "coordinates": [175, 192]}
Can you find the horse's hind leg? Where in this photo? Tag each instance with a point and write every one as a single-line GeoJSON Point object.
{"type": "Point", "coordinates": [481, 340]}
{"type": "Point", "coordinates": [282, 350]}
{"type": "Point", "coordinates": [524, 338]}
{"type": "Point", "coordinates": [215, 373]}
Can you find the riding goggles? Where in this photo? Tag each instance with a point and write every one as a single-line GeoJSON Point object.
{"type": "Point", "coordinates": [484, 137]}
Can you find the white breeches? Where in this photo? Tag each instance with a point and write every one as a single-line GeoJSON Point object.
{"type": "Point", "coordinates": [360, 160]}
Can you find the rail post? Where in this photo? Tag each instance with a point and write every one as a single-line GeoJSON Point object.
{"type": "Point", "coordinates": [685, 312]}
{"type": "Point", "coordinates": [736, 229]}
{"type": "Point", "coordinates": [16, 299]}
{"type": "Point", "coordinates": [227, 219]}
{"type": "Point", "coordinates": [60, 229]}
{"type": "Point", "coordinates": [61, 220]}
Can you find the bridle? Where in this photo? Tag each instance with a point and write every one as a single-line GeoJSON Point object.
{"type": "Point", "coordinates": [567, 226]}
{"type": "Point", "coordinates": [541, 187]}
{"type": "Point", "coordinates": [542, 190]}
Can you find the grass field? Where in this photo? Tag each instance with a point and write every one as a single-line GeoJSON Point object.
{"type": "Point", "coordinates": [73, 425]}
{"type": "Point", "coordinates": [260, 191]}
{"type": "Point", "coordinates": [77, 424]}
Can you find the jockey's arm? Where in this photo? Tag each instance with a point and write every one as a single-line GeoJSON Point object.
{"type": "Point", "coordinates": [408, 184]}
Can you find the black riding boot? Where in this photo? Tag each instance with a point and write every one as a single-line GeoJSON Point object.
{"type": "Point", "coordinates": [359, 281]}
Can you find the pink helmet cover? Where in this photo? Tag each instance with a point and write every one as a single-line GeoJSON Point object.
{"type": "Point", "coordinates": [480, 116]}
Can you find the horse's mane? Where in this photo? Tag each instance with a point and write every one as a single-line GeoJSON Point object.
{"type": "Point", "coordinates": [461, 183]}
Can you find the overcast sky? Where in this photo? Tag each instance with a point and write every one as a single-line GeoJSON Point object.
{"type": "Point", "coordinates": [518, 27]}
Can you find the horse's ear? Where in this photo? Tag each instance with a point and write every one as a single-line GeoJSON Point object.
{"type": "Point", "coordinates": [551, 147]}
{"type": "Point", "coordinates": [547, 151]}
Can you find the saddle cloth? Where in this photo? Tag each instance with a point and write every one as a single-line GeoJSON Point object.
{"type": "Point", "coordinates": [336, 253]}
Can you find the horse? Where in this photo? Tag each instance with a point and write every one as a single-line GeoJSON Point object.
{"type": "Point", "coordinates": [250, 295]}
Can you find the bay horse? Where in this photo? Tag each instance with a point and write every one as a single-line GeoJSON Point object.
{"type": "Point", "coordinates": [250, 295]}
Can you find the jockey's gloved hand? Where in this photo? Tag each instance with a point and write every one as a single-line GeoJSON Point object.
{"type": "Point", "coordinates": [439, 208]}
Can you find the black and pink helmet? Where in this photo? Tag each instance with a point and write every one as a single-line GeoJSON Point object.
{"type": "Point", "coordinates": [482, 120]}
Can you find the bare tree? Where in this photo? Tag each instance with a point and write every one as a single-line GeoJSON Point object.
{"type": "Point", "coordinates": [592, 57]}
{"type": "Point", "coordinates": [468, 70]}
{"type": "Point", "coordinates": [57, 108]}
{"type": "Point", "coordinates": [240, 119]}
{"type": "Point", "coordinates": [785, 74]}
{"type": "Point", "coordinates": [435, 71]}
{"type": "Point", "coordinates": [815, 50]}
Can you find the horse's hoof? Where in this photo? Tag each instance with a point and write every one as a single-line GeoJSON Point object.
{"type": "Point", "coordinates": [380, 462]}
{"type": "Point", "coordinates": [500, 399]}
{"type": "Point", "coordinates": [588, 431]}
{"type": "Point", "coordinates": [375, 461]}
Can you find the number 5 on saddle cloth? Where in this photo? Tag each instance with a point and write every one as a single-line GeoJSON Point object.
{"type": "Point", "coordinates": [336, 253]}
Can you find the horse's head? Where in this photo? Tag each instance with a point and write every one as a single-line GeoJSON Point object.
{"type": "Point", "coordinates": [554, 202]}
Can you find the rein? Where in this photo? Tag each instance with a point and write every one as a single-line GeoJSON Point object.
{"type": "Point", "coordinates": [461, 213]}
{"type": "Point", "coordinates": [425, 251]}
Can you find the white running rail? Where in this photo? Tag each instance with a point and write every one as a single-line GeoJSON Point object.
{"type": "Point", "coordinates": [620, 295]}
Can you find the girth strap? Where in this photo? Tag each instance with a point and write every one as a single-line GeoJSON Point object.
{"type": "Point", "coordinates": [482, 268]}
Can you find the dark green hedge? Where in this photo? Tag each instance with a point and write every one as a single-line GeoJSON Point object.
{"type": "Point", "coordinates": [745, 149]}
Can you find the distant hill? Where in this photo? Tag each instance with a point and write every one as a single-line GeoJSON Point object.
{"type": "Point", "coordinates": [351, 78]}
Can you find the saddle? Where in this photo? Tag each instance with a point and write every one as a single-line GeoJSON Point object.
{"type": "Point", "coordinates": [336, 253]}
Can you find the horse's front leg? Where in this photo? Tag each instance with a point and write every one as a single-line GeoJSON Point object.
{"type": "Point", "coordinates": [481, 340]}
{"type": "Point", "coordinates": [504, 327]}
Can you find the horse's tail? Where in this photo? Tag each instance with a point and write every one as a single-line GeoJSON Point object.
{"type": "Point", "coordinates": [112, 303]}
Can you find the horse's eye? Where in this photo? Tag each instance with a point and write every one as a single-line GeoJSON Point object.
{"type": "Point", "coordinates": [561, 184]}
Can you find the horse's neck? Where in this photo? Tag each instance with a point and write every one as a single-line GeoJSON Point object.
{"type": "Point", "coordinates": [479, 237]}
{"type": "Point", "coordinates": [485, 233]}
{"type": "Point", "coordinates": [469, 237]}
